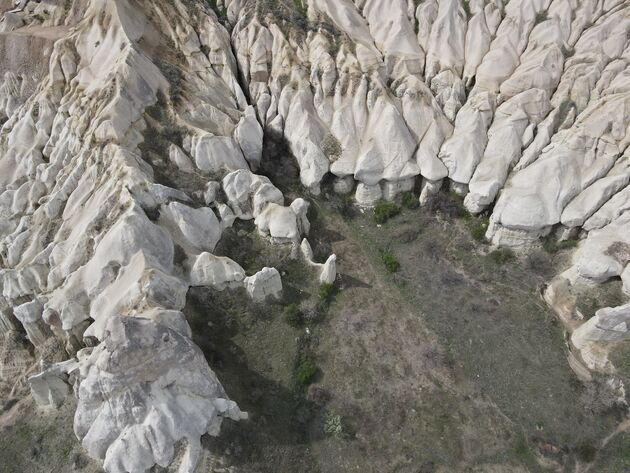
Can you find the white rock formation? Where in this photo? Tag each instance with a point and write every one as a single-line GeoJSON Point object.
{"type": "Point", "coordinates": [51, 386]}
{"type": "Point", "coordinates": [144, 388]}
{"type": "Point", "coordinates": [216, 271]}
{"type": "Point", "coordinates": [327, 270]}
{"type": "Point", "coordinates": [265, 283]}
{"type": "Point", "coordinates": [130, 138]}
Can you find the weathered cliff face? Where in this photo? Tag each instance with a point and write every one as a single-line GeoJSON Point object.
{"type": "Point", "coordinates": [521, 107]}
{"type": "Point", "coordinates": [132, 131]}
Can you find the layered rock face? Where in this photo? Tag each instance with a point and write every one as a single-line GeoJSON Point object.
{"type": "Point", "coordinates": [132, 132]}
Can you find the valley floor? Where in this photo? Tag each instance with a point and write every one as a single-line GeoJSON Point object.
{"type": "Point", "coordinates": [451, 364]}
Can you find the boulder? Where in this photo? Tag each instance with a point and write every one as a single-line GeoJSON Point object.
{"type": "Point", "coordinates": [141, 374]}
{"type": "Point", "coordinates": [51, 386]}
{"type": "Point", "coordinates": [329, 270]}
{"type": "Point", "coordinates": [197, 229]}
{"type": "Point", "coordinates": [265, 283]}
{"type": "Point", "coordinates": [216, 271]}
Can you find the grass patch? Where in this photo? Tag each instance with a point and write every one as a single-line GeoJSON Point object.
{"type": "Point", "coordinates": [479, 228]}
{"type": "Point", "coordinates": [501, 256]}
{"type": "Point", "coordinates": [551, 245]}
{"type": "Point", "coordinates": [466, 7]}
{"type": "Point", "coordinates": [293, 316]}
{"type": "Point", "coordinates": [327, 293]}
{"type": "Point", "coordinates": [409, 200]}
{"type": "Point", "coordinates": [383, 211]}
{"type": "Point", "coordinates": [391, 263]}
{"type": "Point", "coordinates": [590, 299]}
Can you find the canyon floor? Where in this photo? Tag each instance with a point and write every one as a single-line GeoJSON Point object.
{"type": "Point", "coordinates": [451, 364]}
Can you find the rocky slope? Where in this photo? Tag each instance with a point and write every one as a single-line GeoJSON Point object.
{"type": "Point", "coordinates": [133, 131]}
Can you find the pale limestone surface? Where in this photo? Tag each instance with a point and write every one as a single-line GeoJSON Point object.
{"type": "Point", "coordinates": [519, 107]}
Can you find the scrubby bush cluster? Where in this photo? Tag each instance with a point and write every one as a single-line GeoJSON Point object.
{"type": "Point", "coordinates": [479, 228]}
{"type": "Point", "coordinates": [551, 245]}
{"type": "Point", "coordinates": [383, 211]}
{"type": "Point", "coordinates": [326, 293]}
{"type": "Point", "coordinates": [409, 200]}
{"type": "Point", "coordinates": [447, 204]}
{"type": "Point", "coordinates": [293, 316]}
{"type": "Point", "coordinates": [502, 255]}
{"type": "Point", "coordinates": [333, 425]}
{"type": "Point", "coordinates": [305, 370]}
{"type": "Point", "coordinates": [389, 260]}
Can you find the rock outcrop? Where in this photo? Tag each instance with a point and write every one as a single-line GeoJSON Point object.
{"type": "Point", "coordinates": [131, 137]}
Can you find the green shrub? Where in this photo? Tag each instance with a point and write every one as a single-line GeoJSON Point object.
{"type": "Point", "coordinates": [383, 211]}
{"type": "Point", "coordinates": [551, 245]}
{"type": "Point", "coordinates": [333, 425]}
{"type": "Point", "coordinates": [293, 316]}
{"type": "Point", "coordinates": [326, 293]}
{"type": "Point", "coordinates": [409, 200]}
{"type": "Point", "coordinates": [448, 204]}
{"type": "Point", "coordinates": [502, 255]}
{"type": "Point", "coordinates": [305, 371]}
{"type": "Point", "coordinates": [301, 10]}
{"type": "Point", "coordinates": [390, 262]}
{"type": "Point", "coordinates": [586, 452]}
{"type": "Point", "coordinates": [478, 229]}
{"type": "Point", "coordinates": [466, 7]}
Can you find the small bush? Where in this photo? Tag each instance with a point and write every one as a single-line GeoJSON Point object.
{"type": "Point", "coordinates": [333, 425]}
{"type": "Point", "coordinates": [301, 10]}
{"type": "Point", "coordinates": [466, 7]}
{"type": "Point", "coordinates": [305, 371]}
{"type": "Point", "coordinates": [293, 316]}
{"type": "Point", "coordinates": [409, 200]}
{"type": "Point", "coordinates": [586, 452]}
{"type": "Point", "coordinates": [383, 211]}
{"type": "Point", "coordinates": [551, 245]}
{"type": "Point", "coordinates": [448, 204]}
{"type": "Point", "coordinates": [326, 292]}
{"type": "Point", "coordinates": [478, 229]}
{"type": "Point", "coordinates": [502, 255]}
{"type": "Point", "coordinates": [390, 262]}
